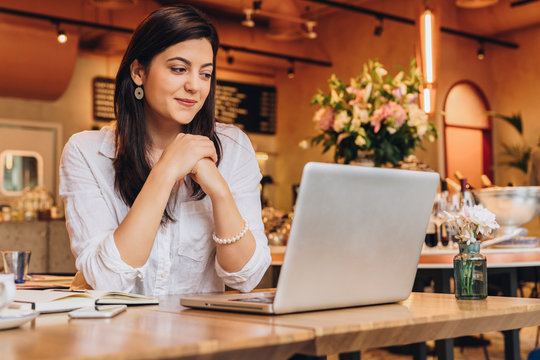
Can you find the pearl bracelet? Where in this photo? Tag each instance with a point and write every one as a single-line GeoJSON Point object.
{"type": "Point", "coordinates": [234, 238]}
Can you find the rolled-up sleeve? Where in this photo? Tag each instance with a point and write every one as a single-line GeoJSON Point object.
{"type": "Point", "coordinates": [244, 185]}
{"type": "Point", "coordinates": [91, 222]}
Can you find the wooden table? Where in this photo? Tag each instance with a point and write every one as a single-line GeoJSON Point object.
{"type": "Point", "coordinates": [438, 265]}
{"type": "Point", "coordinates": [148, 332]}
{"type": "Point", "coordinates": [172, 331]}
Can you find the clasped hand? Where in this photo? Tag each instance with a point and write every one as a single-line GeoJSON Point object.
{"type": "Point", "coordinates": [193, 155]}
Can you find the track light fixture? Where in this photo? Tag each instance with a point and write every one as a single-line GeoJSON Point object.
{"type": "Point", "coordinates": [481, 53]}
{"type": "Point", "coordinates": [230, 58]}
{"type": "Point", "coordinates": [248, 22]}
{"type": "Point", "coordinates": [379, 27]}
{"type": "Point", "coordinates": [256, 10]}
{"type": "Point", "coordinates": [310, 32]}
{"type": "Point", "coordinates": [290, 70]}
{"type": "Point", "coordinates": [61, 36]}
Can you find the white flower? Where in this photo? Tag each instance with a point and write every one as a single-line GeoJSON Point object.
{"type": "Point", "coordinates": [359, 117]}
{"type": "Point", "coordinates": [468, 236]}
{"type": "Point", "coordinates": [360, 140]}
{"type": "Point", "coordinates": [473, 221]}
{"type": "Point", "coordinates": [340, 121]}
{"type": "Point", "coordinates": [381, 71]}
{"type": "Point", "coordinates": [303, 144]}
{"type": "Point", "coordinates": [417, 119]}
{"type": "Point", "coordinates": [318, 114]}
{"type": "Point", "coordinates": [367, 91]}
{"type": "Point", "coordinates": [483, 218]}
{"type": "Point", "coordinates": [334, 97]}
{"type": "Point", "coordinates": [398, 78]}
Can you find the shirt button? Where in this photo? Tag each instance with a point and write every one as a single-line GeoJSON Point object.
{"type": "Point", "coordinates": [163, 274]}
{"type": "Point", "coordinates": [163, 231]}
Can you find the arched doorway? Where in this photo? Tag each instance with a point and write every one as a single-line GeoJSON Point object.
{"type": "Point", "coordinates": [467, 133]}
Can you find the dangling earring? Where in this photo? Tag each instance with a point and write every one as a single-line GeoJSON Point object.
{"type": "Point", "coordinates": [139, 93]}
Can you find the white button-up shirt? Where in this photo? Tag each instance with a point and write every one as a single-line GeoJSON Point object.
{"type": "Point", "coordinates": [183, 256]}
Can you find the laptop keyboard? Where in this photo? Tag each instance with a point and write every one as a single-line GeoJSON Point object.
{"type": "Point", "coordinates": [257, 299]}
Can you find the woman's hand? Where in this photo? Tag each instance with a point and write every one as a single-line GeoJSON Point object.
{"type": "Point", "coordinates": [182, 155]}
{"type": "Point", "coordinates": [207, 175]}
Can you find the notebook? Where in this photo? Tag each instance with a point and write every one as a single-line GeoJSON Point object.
{"type": "Point", "coordinates": [46, 301]}
{"type": "Point", "coordinates": [355, 239]}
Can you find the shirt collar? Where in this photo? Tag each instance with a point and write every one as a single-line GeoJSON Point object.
{"type": "Point", "coordinates": [108, 145]}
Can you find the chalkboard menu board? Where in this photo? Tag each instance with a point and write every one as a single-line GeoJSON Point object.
{"type": "Point", "coordinates": [103, 98]}
{"type": "Point", "coordinates": [252, 107]}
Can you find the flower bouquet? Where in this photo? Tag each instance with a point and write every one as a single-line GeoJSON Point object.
{"type": "Point", "coordinates": [470, 267]}
{"type": "Point", "coordinates": [375, 114]}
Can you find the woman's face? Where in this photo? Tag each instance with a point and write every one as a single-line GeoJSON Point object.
{"type": "Point", "coordinates": [178, 81]}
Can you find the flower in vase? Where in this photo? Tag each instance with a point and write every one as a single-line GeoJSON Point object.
{"type": "Point", "coordinates": [375, 113]}
{"type": "Point", "coordinates": [472, 223]}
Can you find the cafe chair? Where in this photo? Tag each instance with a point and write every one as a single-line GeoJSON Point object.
{"type": "Point", "coordinates": [534, 355]}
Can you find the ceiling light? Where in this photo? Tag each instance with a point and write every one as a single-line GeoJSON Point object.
{"type": "Point", "coordinates": [426, 31]}
{"type": "Point", "coordinates": [426, 97]}
{"type": "Point", "coordinates": [481, 53]}
{"type": "Point", "coordinates": [310, 32]}
{"type": "Point", "coordinates": [290, 70]}
{"type": "Point", "coordinates": [61, 37]}
{"type": "Point", "coordinates": [248, 22]}
{"type": "Point", "coordinates": [256, 5]}
{"type": "Point", "coordinates": [379, 27]}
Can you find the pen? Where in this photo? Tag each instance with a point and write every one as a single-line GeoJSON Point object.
{"type": "Point", "coordinates": [68, 290]}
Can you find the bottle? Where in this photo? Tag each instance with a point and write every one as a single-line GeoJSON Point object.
{"type": "Point", "coordinates": [466, 195]}
{"type": "Point", "coordinates": [442, 207]}
{"type": "Point", "coordinates": [460, 177]}
{"type": "Point", "coordinates": [454, 186]}
{"type": "Point", "coordinates": [485, 181]}
{"type": "Point", "coordinates": [431, 232]}
{"type": "Point", "coordinates": [454, 206]}
{"type": "Point", "coordinates": [6, 213]}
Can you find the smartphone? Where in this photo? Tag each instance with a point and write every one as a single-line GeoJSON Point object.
{"type": "Point", "coordinates": [97, 312]}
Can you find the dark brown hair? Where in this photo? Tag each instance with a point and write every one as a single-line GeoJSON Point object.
{"type": "Point", "coordinates": [162, 28]}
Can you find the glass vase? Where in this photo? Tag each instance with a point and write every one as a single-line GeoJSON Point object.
{"type": "Point", "coordinates": [470, 273]}
{"type": "Point", "coordinates": [364, 158]}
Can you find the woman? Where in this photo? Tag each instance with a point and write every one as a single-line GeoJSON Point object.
{"type": "Point", "coordinates": [168, 201]}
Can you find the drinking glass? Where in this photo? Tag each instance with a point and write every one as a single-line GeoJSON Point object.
{"type": "Point", "coordinates": [16, 262]}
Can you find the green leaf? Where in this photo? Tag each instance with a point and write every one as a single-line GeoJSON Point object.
{"type": "Point", "coordinates": [517, 155]}
{"type": "Point", "coordinates": [514, 119]}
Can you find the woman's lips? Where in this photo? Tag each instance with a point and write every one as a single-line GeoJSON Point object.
{"type": "Point", "coordinates": [186, 102]}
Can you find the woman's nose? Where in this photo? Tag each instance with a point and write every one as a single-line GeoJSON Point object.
{"type": "Point", "coordinates": [192, 82]}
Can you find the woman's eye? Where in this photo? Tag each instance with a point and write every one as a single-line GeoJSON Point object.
{"type": "Point", "coordinates": [206, 76]}
{"type": "Point", "coordinates": [178, 70]}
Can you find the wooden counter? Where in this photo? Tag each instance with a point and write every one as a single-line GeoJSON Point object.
{"type": "Point", "coordinates": [443, 258]}
{"type": "Point", "coordinates": [496, 258]}
{"type": "Point", "coordinates": [172, 331]}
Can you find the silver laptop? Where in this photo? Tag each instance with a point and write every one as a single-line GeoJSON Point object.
{"type": "Point", "coordinates": [355, 239]}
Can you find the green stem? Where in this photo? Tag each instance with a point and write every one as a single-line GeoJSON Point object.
{"type": "Point", "coordinates": [467, 276]}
